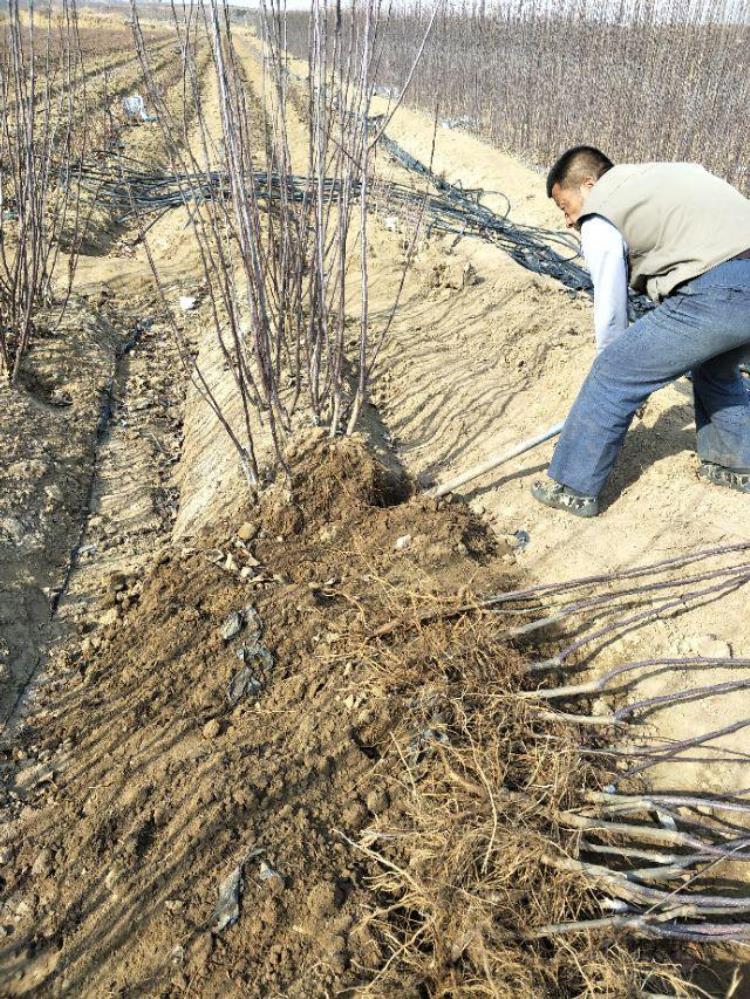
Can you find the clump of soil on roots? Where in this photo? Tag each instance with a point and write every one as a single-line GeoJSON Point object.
{"type": "Point", "coordinates": [387, 801]}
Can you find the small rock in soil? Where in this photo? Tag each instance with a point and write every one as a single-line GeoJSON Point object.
{"type": "Point", "coordinates": [403, 542]}
{"type": "Point", "coordinates": [237, 620]}
{"type": "Point", "coordinates": [253, 622]}
{"type": "Point", "coordinates": [520, 540]}
{"type": "Point", "coordinates": [212, 729]}
{"type": "Point", "coordinates": [248, 531]}
{"type": "Point", "coordinates": [42, 864]}
{"type": "Point", "coordinates": [109, 617]}
{"type": "Point", "coordinates": [23, 908]}
{"type": "Point", "coordinates": [243, 682]}
{"type": "Point", "coordinates": [256, 654]}
{"type": "Point", "coordinates": [271, 877]}
{"type": "Point", "coordinates": [117, 582]}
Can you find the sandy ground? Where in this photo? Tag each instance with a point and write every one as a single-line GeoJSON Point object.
{"type": "Point", "coordinates": [475, 370]}
{"type": "Point", "coordinates": [469, 368]}
{"type": "Point", "coordinates": [468, 371]}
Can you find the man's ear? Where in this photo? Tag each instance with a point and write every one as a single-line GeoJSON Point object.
{"type": "Point", "coordinates": [588, 183]}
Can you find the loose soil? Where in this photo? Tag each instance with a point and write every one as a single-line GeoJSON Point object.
{"type": "Point", "coordinates": [150, 758]}
{"type": "Point", "coordinates": [237, 715]}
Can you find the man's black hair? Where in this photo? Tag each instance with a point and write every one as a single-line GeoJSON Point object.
{"type": "Point", "coordinates": [575, 165]}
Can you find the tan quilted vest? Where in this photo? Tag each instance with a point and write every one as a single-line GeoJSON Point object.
{"type": "Point", "coordinates": [677, 219]}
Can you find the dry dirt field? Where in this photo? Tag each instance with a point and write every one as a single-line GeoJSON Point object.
{"type": "Point", "coordinates": [191, 685]}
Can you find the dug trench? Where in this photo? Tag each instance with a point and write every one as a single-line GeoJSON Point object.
{"type": "Point", "coordinates": [243, 792]}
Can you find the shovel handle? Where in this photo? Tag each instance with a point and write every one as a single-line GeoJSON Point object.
{"type": "Point", "coordinates": [498, 459]}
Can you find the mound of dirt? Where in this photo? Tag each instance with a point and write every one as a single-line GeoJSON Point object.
{"type": "Point", "coordinates": [233, 788]}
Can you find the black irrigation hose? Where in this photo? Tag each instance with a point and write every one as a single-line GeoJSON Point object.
{"type": "Point", "coordinates": [530, 246]}
{"type": "Point", "coordinates": [454, 209]}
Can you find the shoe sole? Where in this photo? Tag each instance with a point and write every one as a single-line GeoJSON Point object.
{"type": "Point", "coordinates": [734, 486]}
{"type": "Point", "coordinates": [587, 514]}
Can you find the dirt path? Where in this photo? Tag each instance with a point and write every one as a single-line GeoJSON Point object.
{"type": "Point", "coordinates": [46, 482]}
{"type": "Point", "coordinates": [69, 381]}
{"type": "Point", "coordinates": [133, 502]}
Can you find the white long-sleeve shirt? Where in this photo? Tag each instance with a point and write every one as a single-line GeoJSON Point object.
{"type": "Point", "coordinates": [606, 255]}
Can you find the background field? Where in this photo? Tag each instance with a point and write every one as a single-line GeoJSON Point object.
{"type": "Point", "coordinates": [642, 81]}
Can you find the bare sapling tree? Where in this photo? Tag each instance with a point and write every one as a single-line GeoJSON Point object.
{"type": "Point", "coordinates": [42, 145]}
{"type": "Point", "coordinates": [280, 226]}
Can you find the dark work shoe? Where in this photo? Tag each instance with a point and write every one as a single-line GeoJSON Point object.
{"type": "Point", "coordinates": [561, 497]}
{"type": "Point", "coordinates": [720, 475]}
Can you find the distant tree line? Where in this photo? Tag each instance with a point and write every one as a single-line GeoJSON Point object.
{"type": "Point", "coordinates": [644, 80]}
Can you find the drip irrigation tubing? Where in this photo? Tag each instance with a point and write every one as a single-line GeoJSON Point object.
{"type": "Point", "coordinates": [453, 210]}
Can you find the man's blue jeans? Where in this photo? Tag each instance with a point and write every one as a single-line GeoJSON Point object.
{"type": "Point", "coordinates": [704, 328]}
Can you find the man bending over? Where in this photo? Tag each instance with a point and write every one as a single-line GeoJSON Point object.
{"type": "Point", "coordinates": [682, 236]}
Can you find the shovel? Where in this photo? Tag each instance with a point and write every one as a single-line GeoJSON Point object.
{"type": "Point", "coordinates": [498, 459]}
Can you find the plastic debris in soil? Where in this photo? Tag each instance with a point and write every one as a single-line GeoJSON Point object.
{"type": "Point", "coordinates": [242, 684]}
{"type": "Point", "coordinates": [521, 540]}
{"type": "Point", "coordinates": [227, 909]}
{"type": "Point", "coordinates": [134, 107]}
